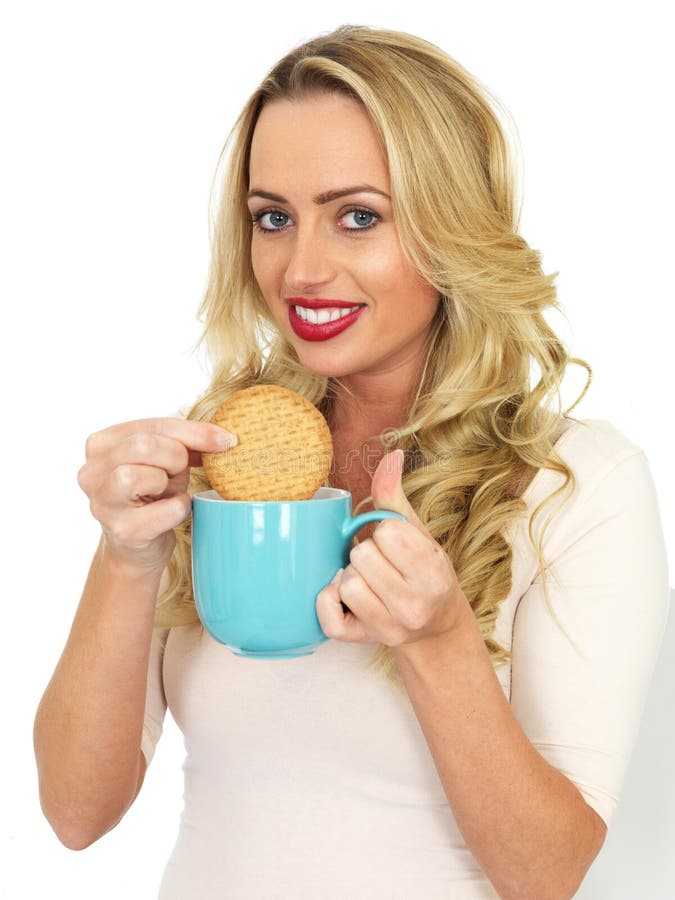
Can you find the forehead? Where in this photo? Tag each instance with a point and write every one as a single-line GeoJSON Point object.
{"type": "Point", "coordinates": [328, 137]}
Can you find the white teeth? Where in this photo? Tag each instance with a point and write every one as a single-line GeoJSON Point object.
{"type": "Point", "coordinates": [320, 316]}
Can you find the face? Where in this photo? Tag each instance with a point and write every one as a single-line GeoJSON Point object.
{"type": "Point", "coordinates": [307, 247]}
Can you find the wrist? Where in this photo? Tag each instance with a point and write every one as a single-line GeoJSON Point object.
{"type": "Point", "coordinates": [462, 637]}
{"type": "Point", "coordinates": [119, 567]}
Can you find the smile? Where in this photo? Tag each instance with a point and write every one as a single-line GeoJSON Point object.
{"type": "Point", "coordinates": [321, 316]}
{"type": "Point", "coordinates": [322, 324]}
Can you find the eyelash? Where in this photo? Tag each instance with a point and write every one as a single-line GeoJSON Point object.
{"type": "Point", "coordinates": [256, 217]}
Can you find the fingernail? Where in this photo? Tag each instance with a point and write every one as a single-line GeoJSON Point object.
{"type": "Point", "coordinates": [336, 576]}
{"type": "Point", "coordinates": [225, 439]}
{"type": "Point", "coordinates": [393, 458]}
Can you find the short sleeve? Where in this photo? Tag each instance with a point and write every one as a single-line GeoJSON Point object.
{"type": "Point", "coordinates": [579, 684]}
{"type": "Point", "coordinates": [155, 700]}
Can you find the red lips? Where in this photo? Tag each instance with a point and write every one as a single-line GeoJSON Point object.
{"type": "Point", "coordinates": [310, 332]}
{"type": "Point", "coordinates": [320, 303]}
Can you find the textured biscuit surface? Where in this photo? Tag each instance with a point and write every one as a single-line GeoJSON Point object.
{"type": "Point", "coordinates": [284, 446]}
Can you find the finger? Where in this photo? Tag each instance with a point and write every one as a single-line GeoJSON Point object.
{"type": "Point", "coordinates": [382, 579]}
{"type": "Point", "coordinates": [135, 485]}
{"type": "Point", "coordinates": [140, 449]}
{"type": "Point", "coordinates": [202, 436]}
{"type": "Point", "coordinates": [387, 491]}
{"type": "Point", "coordinates": [364, 604]}
{"type": "Point", "coordinates": [337, 622]}
{"type": "Point", "coordinates": [178, 484]}
{"type": "Point", "coordinates": [410, 602]}
{"type": "Point", "coordinates": [163, 515]}
{"type": "Point", "coordinates": [405, 547]}
{"type": "Point", "coordinates": [146, 449]}
{"type": "Point", "coordinates": [140, 526]}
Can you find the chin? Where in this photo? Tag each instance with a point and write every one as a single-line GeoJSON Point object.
{"type": "Point", "coordinates": [331, 368]}
{"type": "Point", "coordinates": [326, 371]}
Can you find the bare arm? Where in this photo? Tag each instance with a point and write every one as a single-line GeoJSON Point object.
{"type": "Point", "coordinates": [500, 789]}
{"type": "Point", "coordinates": [88, 726]}
{"type": "Point", "coordinates": [89, 723]}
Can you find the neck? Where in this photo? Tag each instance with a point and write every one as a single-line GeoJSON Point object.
{"type": "Point", "coordinates": [377, 400]}
{"type": "Point", "coordinates": [372, 406]}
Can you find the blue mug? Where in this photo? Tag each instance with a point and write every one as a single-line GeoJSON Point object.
{"type": "Point", "coordinates": [257, 567]}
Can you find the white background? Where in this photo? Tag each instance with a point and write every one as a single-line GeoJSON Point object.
{"type": "Point", "coordinates": [113, 116]}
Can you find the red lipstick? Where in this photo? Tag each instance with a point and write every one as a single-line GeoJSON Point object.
{"type": "Point", "coordinates": [309, 331]}
{"type": "Point", "coordinates": [320, 303]}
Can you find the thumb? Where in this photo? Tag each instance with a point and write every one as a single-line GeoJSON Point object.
{"type": "Point", "coordinates": [387, 491]}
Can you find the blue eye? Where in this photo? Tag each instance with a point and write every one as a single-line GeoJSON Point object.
{"type": "Point", "coordinates": [360, 213]}
{"type": "Point", "coordinates": [276, 220]}
{"type": "Point", "coordinates": [275, 214]}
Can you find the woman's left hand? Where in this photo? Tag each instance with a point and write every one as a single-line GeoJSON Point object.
{"type": "Point", "coordinates": [399, 586]}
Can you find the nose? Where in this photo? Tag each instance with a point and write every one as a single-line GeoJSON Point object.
{"type": "Point", "coordinates": [311, 262]}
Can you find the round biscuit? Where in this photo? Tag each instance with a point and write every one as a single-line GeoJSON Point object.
{"type": "Point", "coordinates": [284, 446]}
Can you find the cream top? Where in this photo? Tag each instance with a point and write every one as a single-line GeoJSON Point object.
{"type": "Point", "coordinates": [311, 777]}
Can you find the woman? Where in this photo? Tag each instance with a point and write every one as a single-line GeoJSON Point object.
{"type": "Point", "coordinates": [516, 614]}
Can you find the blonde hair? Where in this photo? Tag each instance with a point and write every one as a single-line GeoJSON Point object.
{"type": "Point", "coordinates": [477, 423]}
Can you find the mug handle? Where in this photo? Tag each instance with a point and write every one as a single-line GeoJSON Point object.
{"type": "Point", "coordinates": [352, 525]}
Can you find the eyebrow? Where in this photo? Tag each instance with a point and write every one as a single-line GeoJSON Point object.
{"type": "Point", "coordinates": [326, 197]}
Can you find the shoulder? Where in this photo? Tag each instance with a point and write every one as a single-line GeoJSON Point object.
{"type": "Point", "coordinates": [595, 443]}
{"type": "Point", "coordinates": [612, 483]}
{"type": "Point", "coordinates": [592, 449]}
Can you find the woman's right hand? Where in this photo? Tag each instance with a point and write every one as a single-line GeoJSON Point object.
{"type": "Point", "coordinates": [136, 477]}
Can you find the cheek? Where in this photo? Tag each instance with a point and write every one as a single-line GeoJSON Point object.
{"type": "Point", "coordinates": [256, 261]}
{"type": "Point", "coordinates": [264, 269]}
{"type": "Point", "coordinates": [378, 267]}
{"type": "Point", "coordinates": [400, 291]}
{"type": "Point", "coordinates": [388, 272]}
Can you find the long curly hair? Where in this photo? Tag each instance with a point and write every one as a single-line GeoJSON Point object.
{"type": "Point", "coordinates": [487, 404]}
